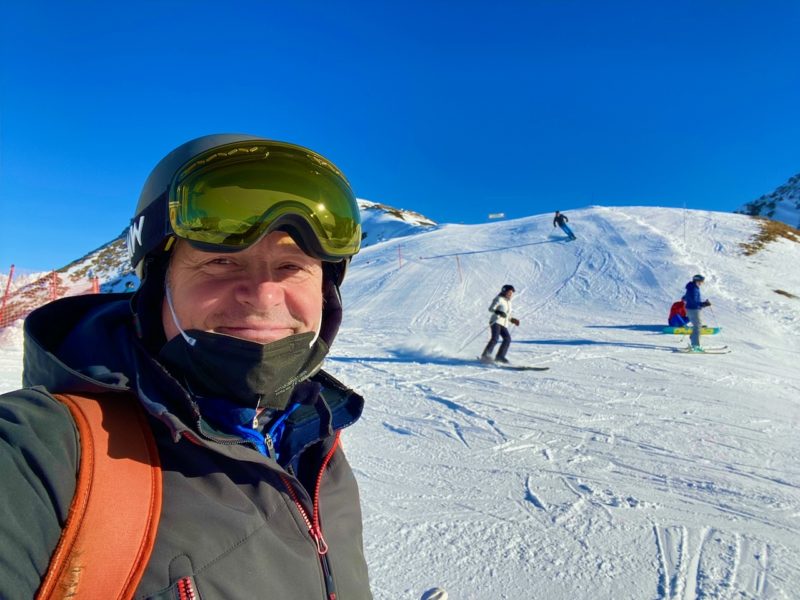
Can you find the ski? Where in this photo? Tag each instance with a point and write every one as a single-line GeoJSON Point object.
{"type": "Point", "coordinates": [709, 350]}
{"type": "Point", "coordinates": [512, 367]}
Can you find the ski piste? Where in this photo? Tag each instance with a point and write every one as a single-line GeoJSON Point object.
{"type": "Point", "coordinates": [511, 367]}
{"type": "Point", "coordinates": [705, 350]}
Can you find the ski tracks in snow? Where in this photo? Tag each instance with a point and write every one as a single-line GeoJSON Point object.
{"type": "Point", "coordinates": [476, 422]}
{"type": "Point", "coordinates": [709, 563]}
{"type": "Point", "coordinates": [457, 421]}
{"type": "Point", "coordinates": [590, 499]}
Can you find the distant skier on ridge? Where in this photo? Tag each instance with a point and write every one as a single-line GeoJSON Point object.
{"type": "Point", "coordinates": [561, 220]}
{"type": "Point", "coordinates": [695, 304]}
{"type": "Point", "coordinates": [501, 317]}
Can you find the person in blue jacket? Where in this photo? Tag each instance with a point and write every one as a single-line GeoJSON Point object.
{"type": "Point", "coordinates": [694, 305]}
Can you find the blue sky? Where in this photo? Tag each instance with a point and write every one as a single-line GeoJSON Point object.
{"type": "Point", "coordinates": [453, 109]}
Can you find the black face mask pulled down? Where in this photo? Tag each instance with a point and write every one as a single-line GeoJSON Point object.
{"type": "Point", "coordinates": [247, 373]}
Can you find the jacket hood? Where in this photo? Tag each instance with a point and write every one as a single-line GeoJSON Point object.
{"type": "Point", "coordinates": [63, 353]}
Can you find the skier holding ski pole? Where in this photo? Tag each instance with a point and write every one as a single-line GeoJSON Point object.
{"type": "Point", "coordinates": [501, 317]}
{"type": "Point", "coordinates": [694, 305]}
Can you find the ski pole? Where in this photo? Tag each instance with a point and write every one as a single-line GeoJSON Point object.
{"type": "Point", "coordinates": [473, 338]}
{"type": "Point", "coordinates": [717, 321]}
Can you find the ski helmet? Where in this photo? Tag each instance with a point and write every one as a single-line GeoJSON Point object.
{"type": "Point", "coordinates": [507, 288]}
{"type": "Point", "coordinates": [698, 277]}
{"type": "Point", "coordinates": [225, 192]}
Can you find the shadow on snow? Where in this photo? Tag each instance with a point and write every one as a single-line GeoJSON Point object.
{"type": "Point", "coordinates": [402, 356]}
{"type": "Point", "coordinates": [584, 342]}
{"type": "Point", "coordinates": [655, 328]}
{"type": "Point", "coordinates": [550, 241]}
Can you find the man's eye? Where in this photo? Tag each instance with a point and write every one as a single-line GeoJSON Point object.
{"type": "Point", "coordinates": [292, 267]}
{"type": "Point", "coordinates": [221, 261]}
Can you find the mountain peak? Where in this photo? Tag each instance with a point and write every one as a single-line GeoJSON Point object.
{"type": "Point", "coordinates": [783, 204]}
{"type": "Point", "coordinates": [381, 222]}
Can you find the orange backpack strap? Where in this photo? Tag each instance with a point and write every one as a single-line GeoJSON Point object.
{"type": "Point", "coordinates": [111, 526]}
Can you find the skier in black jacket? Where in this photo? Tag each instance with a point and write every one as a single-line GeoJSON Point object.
{"type": "Point", "coordinates": [561, 220]}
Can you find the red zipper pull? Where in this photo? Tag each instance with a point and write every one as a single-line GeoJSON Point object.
{"type": "Point", "coordinates": [322, 545]}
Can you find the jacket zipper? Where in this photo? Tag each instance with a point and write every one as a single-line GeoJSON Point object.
{"type": "Point", "coordinates": [270, 446]}
{"type": "Point", "coordinates": [314, 527]}
{"type": "Point", "coordinates": [185, 589]}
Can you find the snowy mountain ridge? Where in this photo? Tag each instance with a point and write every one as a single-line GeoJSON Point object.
{"type": "Point", "coordinates": [110, 263]}
{"type": "Point", "coordinates": [783, 204]}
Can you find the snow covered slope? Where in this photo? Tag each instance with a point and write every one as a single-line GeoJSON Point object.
{"type": "Point", "coordinates": [626, 471]}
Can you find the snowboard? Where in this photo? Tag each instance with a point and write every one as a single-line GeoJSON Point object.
{"type": "Point", "coordinates": [688, 330]}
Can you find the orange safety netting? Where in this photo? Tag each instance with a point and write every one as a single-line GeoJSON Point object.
{"type": "Point", "coordinates": [18, 304]}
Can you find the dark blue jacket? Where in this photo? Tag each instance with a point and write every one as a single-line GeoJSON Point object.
{"type": "Point", "coordinates": [692, 296]}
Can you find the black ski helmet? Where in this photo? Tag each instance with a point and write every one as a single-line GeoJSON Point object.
{"type": "Point", "coordinates": [507, 288]}
{"type": "Point", "coordinates": [150, 228]}
{"type": "Point", "coordinates": [150, 234]}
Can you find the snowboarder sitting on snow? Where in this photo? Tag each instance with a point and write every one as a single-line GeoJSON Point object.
{"type": "Point", "coordinates": [677, 314]}
{"type": "Point", "coordinates": [695, 304]}
{"type": "Point", "coordinates": [561, 221]}
{"type": "Point", "coordinates": [501, 317]}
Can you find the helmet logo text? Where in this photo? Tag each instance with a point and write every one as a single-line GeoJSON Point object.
{"type": "Point", "coordinates": [135, 236]}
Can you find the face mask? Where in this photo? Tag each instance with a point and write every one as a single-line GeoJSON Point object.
{"type": "Point", "coordinates": [248, 373]}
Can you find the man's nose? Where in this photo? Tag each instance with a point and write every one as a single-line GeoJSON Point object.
{"type": "Point", "coordinates": [260, 288]}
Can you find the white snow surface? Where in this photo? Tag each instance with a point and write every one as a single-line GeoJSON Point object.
{"type": "Point", "coordinates": [626, 471]}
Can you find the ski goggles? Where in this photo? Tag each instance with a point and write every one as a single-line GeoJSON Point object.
{"type": "Point", "coordinates": [228, 198]}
